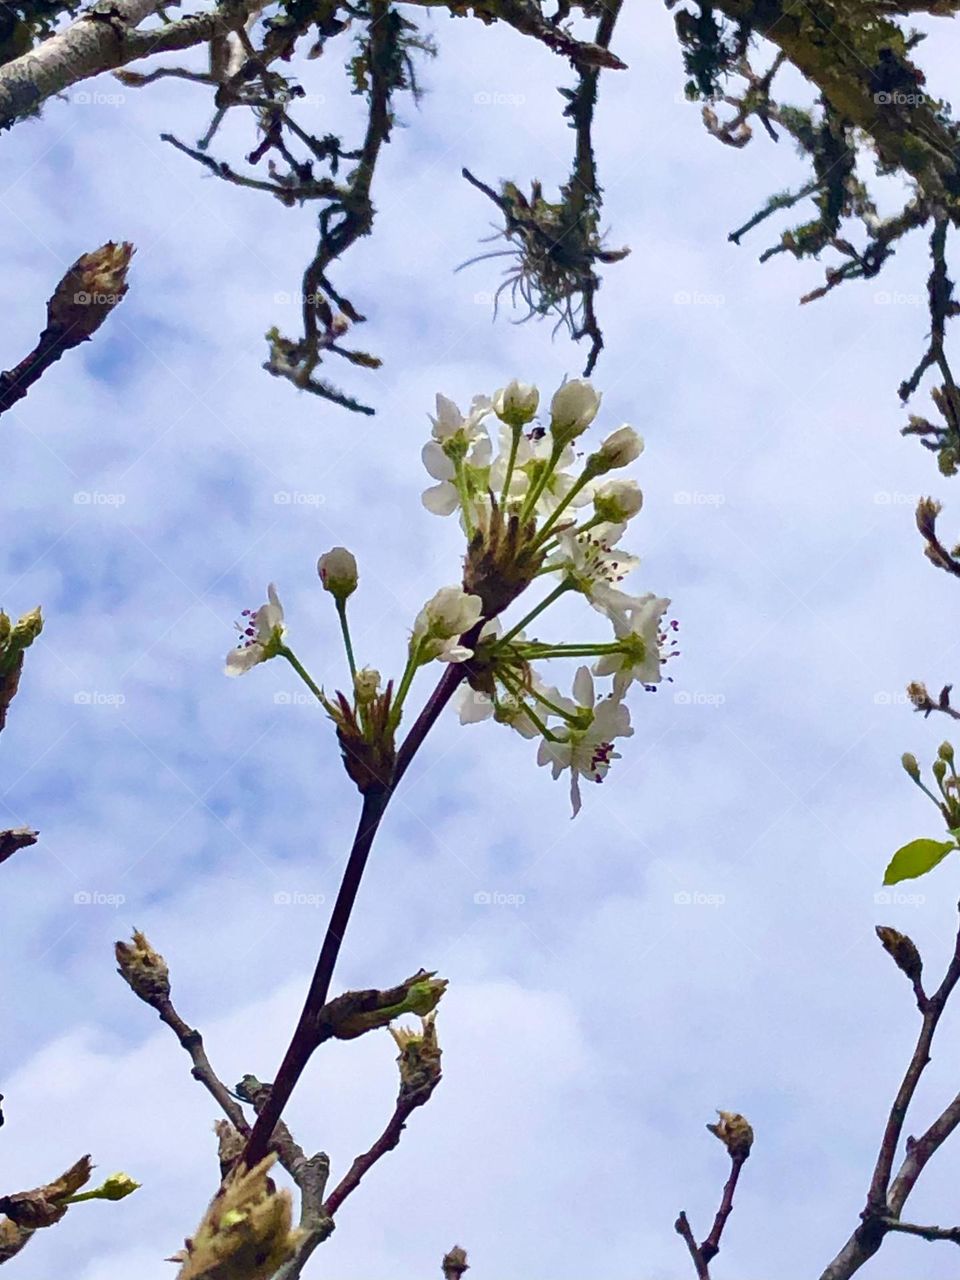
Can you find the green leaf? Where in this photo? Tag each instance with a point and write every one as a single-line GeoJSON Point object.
{"type": "Point", "coordinates": [916, 859]}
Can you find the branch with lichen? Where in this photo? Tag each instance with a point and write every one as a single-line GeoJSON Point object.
{"type": "Point", "coordinates": [80, 304]}
{"type": "Point", "coordinates": [871, 99]}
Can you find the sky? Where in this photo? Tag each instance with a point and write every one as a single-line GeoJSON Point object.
{"type": "Point", "coordinates": [701, 936]}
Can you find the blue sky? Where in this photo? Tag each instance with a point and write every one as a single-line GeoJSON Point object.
{"type": "Point", "coordinates": [590, 1031]}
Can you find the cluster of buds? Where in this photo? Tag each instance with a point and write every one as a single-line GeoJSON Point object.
{"type": "Point", "coordinates": [947, 782]}
{"type": "Point", "coordinates": [15, 638]}
{"type": "Point", "coordinates": [533, 509]}
{"type": "Point", "coordinates": [247, 1230]}
{"type": "Point", "coordinates": [735, 1132]}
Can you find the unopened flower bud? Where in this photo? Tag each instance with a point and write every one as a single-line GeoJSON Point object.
{"type": "Point", "coordinates": [419, 1057]}
{"type": "Point", "coordinates": [366, 685]}
{"type": "Point", "coordinates": [27, 629]}
{"type": "Point", "coordinates": [144, 969]}
{"type": "Point", "coordinates": [939, 770]}
{"type": "Point", "coordinates": [946, 752]}
{"type": "Point", "coordinates": [440, 623]}
{"type": "Point", "coordinates": [573, 408]}
{"type": "Point", "coordinates": [338, 573]}
{"type": "Point", "coordinates": [618, 501]}
{"type": "Point", "coordinates": [619, 449]}
{"type": "Point", "coordinates": [918, 694]}
{"type": "Point", "coordinates": [516, 403]}
{"type": "Point", "coordinates": [734, 1132]}
{"type": "Point", "coordinates": [117, 1187]}
{"type": "Point", "coordinates": [909, 762]}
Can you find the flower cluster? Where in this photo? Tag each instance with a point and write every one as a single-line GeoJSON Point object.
{"type": "Point", "coordinates": [533, 508]}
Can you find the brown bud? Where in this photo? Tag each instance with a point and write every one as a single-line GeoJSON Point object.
{"type": "Point", "coordinates": [734, 1132]}
{"type": "Point", "coordinates": [89, 291]}
{"type": "Point", "coordinates": [904, 952]}
{"type": "Point", "coordinates": [43, 1206]}
{"type": "Point", "coordinates": [502, 559]}
{"type": "Point", "coordinates": [144, 969]}
{"type": "Point", "coordinates": [455, 1263]}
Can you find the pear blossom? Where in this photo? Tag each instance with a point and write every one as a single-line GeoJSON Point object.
{"type": "Point", "coordinates": [516, 403]}
{"type": "Point", "coordinates": [441, 622]}
{"type": "Point", "coordinates": [443, 499]}
{"type": "Point", "coordinates": [588, 750]}
{"type": "Point", "coordinates": [574, 406]}
{"type": "Point", "coordinates": [261, 635]}
{"type": "Point", "coordinates": [533, 455]}
{"type": "Point", "coordinates": [450, 422]}
{"type": "Point", "coordinates": [591, 562]}
{"type": "Point", "coordinates": [338, 572]}
{"type": "Point", "coordinates": [640, 658]}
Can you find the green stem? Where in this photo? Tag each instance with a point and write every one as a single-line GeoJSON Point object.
{"type": "Point", "coordinates": [514, 445]}
{"type": "Point", "coordinates": [555, 515]}
{"type": "Point", "coordinates": [345, 630]}
{"type": "Point", "coordinates": [409, 671]}
{"type": "Point", "coordinates": [302, 672]}
{"type": "Point", "coordinates": [555, 594]}
{"type": "Point", "coordinates": [461, 481]}
{"type": "Point", "coordinates": [531, 499]}
{"type": "Point", "coordinates": [517, 693]}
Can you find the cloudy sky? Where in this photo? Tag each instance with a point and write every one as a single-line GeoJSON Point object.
{"type": "Point", "coordinates": [701, 936]}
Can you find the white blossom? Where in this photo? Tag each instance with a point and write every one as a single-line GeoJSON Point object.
{"type": "Point", "coordinates": [338, 572]}
{"type": "Point", "coordinates": [516, 403]}
{"type": "Point", "coordinates": [586, 751]}
{"type": "Point", "coordinates": [441, 622]}
{"type": "Point", "coordinates": [639, 630]}
{"type": "Point", "coordinates": [620, 448]}
{"type": "Point", "coordinates": [261, 634]}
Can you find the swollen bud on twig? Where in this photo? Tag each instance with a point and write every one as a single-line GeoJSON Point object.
{"type": "Point", "coordinates": [89, 292]}
{"type": "Point", "coordinates": [455, 1263]}
{"type": "Point", "coordinates": [419, 1058]}
{"type": "Point", "coordinates": [904, 952]}
{"type": "Point", "coordinates": [247, 1232]}
{"type": "Point", "coordinates": [946, 752]}
{"type": "Point", "coordinates": [143, 969]}
{"type": "Point", "coordinates": [734, 1132]}
{"type": "Point", "coordinates": [356, 1012]}
{"type": "Point", "coordinates": [117, 1187]}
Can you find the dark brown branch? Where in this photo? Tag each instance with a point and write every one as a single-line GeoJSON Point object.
{"type": "Point", "coordinates": [306, 1036]}
{"type": "Point", "coordinates": [192, 1041]}
{"type": "Point", "coordinates": [885, 1200]}
{"type": "Point", "coordinates": [683, 1228]}
{"type": "Point", "coordinates": [18, 838]}
{"type": "Point", "coordinates": [711, 1246]}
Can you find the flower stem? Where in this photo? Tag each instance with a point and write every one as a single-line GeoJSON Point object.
{"type": "Point", "coordinates": [345, 629]}
{"type": "Point", "coordinates": [555, 514]}
{"type": "Point", "coordinates": [541, 483]}
{"type": "Point", "coordinates": [302, 672]}
{"type": "Point", "coordinates": [511, 460]}
{"type": "Point", "coordinates": [555, 594]}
